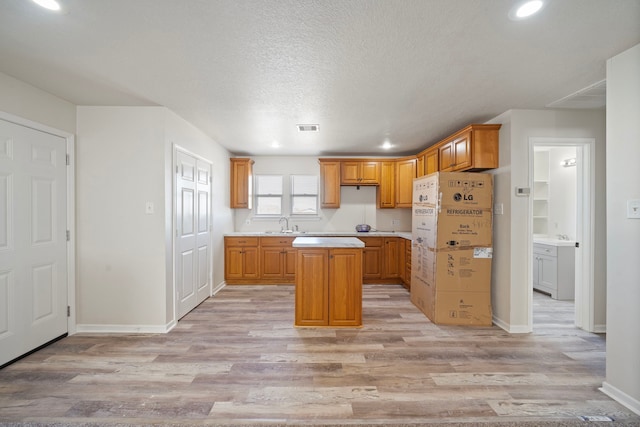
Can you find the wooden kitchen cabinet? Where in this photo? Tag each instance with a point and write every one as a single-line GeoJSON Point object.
{"type": "Point", "coordinates": [406, 281]}
{"type": "Point", "coordinates": [391, 258]}
{"type": "Point", "coordinates": [277, 260]}
{"type": "Point", "coordinates": [241, 262]}
{"type": "Point", "coordinates": [359, 172]}
{"type": "Point", "coordinates": [329, 184]}
{"type": "Point", "coordinates": [386, 191]}
{"type": "Point", "coordinates": [432, 163]}
{"type": "Point", "coordinates": [473, 148]}
{"type": "Point", "coordinates": [328, 287]}
{"type": "Point", "coordinates": [372, 258]}
{"type": "Point", "coordinates": [405, 173]}
{"type": "Point", "coordinates": [241, 183]}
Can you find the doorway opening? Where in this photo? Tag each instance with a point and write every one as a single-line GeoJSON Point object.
{"type": "Point", "coordinates": [561, 210]}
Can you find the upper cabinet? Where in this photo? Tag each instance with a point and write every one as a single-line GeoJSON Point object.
{"type": "Point", "coordinates": [329, 184]}
{"type": "Point", "coordinates": [405, 173]}
{"type": "Point", "coordinates": [386, 191]}
{"type": "Point", "coordinates": [473, 148]}
{"type": "Point", "coordinates": [360, 172]}
{"type": "Point", "coordinates": [241, 182]}
{"type": "Point", "coordinates": [432, 161]}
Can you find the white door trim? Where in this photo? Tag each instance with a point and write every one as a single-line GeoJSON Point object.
{"type": "Point", "coordinates": [71, 203]}
{"type": "Point", "coordinates": [174, 227]}
{"type": "Point", "coordinates": [585, 294]}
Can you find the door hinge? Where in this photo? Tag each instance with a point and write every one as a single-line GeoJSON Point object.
{"type": "Point", "coordinates": [577, 244]}
{"type": "Point", "coordinates": [177, 169]}
{"type": "Point", "coordinates": [68, 235]}
{"type": "Point", "coordinates": [68, 160]}
{"type": "Point", "coordinates": [68, 311]}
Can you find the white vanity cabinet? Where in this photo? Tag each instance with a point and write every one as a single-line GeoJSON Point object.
{"type": "Point", "coordinates": [554, 270]}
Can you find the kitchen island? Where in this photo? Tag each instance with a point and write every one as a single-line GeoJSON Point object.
{"type": "Point", "coordinates": [328, 281]}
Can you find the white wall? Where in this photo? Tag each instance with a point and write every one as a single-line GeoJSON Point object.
{"type": "Point", "coordinates": [120, 159]}
{"type": "Point", "coordinates": [562, 193]}
{"type": "Point", "coordinates": [511, 283]}
{"type": "Point", "coordinates": [125, 259]}
{"type": "Point", "coordinates": [26, 101]}
{"type": "Point", "coordinates": [623, 234]}
{"type": "Point", "coordinates": [356, 206]}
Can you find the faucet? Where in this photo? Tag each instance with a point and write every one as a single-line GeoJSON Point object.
{"type": "Point", "coordinates": [286, 220]}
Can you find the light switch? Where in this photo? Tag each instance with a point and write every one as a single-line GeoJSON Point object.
{"type": "Point", "coordinates": [633, 209]}
{"type": "Point", "coordinates": [149, 208]}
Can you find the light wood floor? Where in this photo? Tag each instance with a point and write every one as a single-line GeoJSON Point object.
{"type": "Point", "coordinates": [237, 359]}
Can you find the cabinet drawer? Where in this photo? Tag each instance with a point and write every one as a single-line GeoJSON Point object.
{"type": "Point", "coordinates": [372, 241]}
{"type": "Point", "coordinates": [241, 241]}
{"type": "Point", "coordinates": [550, 250]}
{"type": "Point", "coordinates": [276, 241]}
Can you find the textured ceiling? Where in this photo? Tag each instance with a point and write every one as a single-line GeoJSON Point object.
{"type": "Point", "coordinates": [246, 72]}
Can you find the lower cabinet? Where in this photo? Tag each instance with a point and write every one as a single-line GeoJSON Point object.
{"type": "Point", "coordinates": [328, 287]}
{"type": "Point", "coordinates": [241, 259]}
{"type": "Point", "coordinates": [554, 270]}
{"type": "Point", "coordinates": [277, 260]}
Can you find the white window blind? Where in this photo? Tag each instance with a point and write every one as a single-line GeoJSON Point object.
{"type": "Point", "coordinates": [268, 194]}
{"type": "Point", "coordinates": [304, 194]}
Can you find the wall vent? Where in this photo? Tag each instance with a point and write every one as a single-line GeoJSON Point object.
{"type": "Point", "coordinates": [308, 128]}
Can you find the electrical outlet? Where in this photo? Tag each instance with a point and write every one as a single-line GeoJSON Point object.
{"type": "Point", "coordinates": [395, 222]}
{"type": "Point", "coordinates": [633, 208]}
{"type": "Point", "coordinates": [498, 209]}
{"type": "Point", "coordinates": [149, 209]}
{"type": "Point", "coordinates": [247, 221]}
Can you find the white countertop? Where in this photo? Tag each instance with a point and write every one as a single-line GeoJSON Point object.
{"type": "Point", "coordinates": [327, 242]}
{"type": "Point", "coordinates": [403, 234]}
{"type": "Point", "coordinates": [553, 241]}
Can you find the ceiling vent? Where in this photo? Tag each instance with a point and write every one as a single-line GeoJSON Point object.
{"type": "Point", "coordinates": [308, 128]}
{"type": "Point", "coordinates": [591, 97]}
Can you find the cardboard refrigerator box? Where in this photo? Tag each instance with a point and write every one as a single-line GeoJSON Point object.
{"type": "Point", "coordinates": [423, 295]}
{"type": "Point", "coordinates": [459, 189]}
{"type": "Point", "coordinates": [466, 269]}
{"type": "Point", "coordinates": [452, 227]}
{"type": "Point", "coordinates": [462, 308]}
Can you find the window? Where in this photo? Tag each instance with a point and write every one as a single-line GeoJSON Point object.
{"type": "Point", "coordinates": [269, 195]}
{"type": "Point", "coordinates": [304, 195]}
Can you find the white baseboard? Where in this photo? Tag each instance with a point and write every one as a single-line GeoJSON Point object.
{"type": "Point", "coordinates": [125, 329]}
{"type": "Point", "coordinates": [218, 287]}
{"type": "Point", "coordinates": [621, 397]}
{"type": "Point", "coordinates": [518, 329]}
{"type": "Point", "coordinates": [599, 329]}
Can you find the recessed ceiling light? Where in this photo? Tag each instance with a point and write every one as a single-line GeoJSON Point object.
{"type": "Point", "coordinates": [525, 9]}
{"type": "Point", "coordinates": [308, 128]}
{"type": "Point", "coordinates": [48, 4]}
{"type": "Point", "coordinates": [387, 145]}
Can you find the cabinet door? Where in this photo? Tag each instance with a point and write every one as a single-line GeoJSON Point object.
{"type": "Point", "coordinates": [329, 184]}
{"type": "Point", "coordinates": [372, 257]}
{"type": "Point", "coordinates": [405, 173]}
{"type": "Point", "coordinates": [290, 255]}
{"type": "Point", "coordinates": [462, 152]}
{"type": "Point", "coordinates": [272, 262]}
{"type": "Point", "coordinates": [350, 172]}
{"type": "Point", "coordinates": [345, 287]}
{"type": "Point", "coordinates": [370, 173]}
{"type": "Point", "coordinates": [250, 263]}
{"type": "Point", "coordinates": [312, 288]}
{"type": "Point", "coordinates": [548, 274]}
{"type": "Point", "coordinates": [233, 263]}
{"type": "Point", "coordinates": [391, 258]}
{"type": "Point", "coordinates": [386, 189]}
{"type": "Point", "coordinates": [431, 161]}
{"type": "Point", "coordinates": [241, 185]}
{"type": "Point", "coordinates": [446, 157]}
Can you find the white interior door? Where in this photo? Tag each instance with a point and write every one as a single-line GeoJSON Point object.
{"type": "Point", "coordinates": [193, 240]}
{"type": "Point", "coordinates": [33, 242]}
